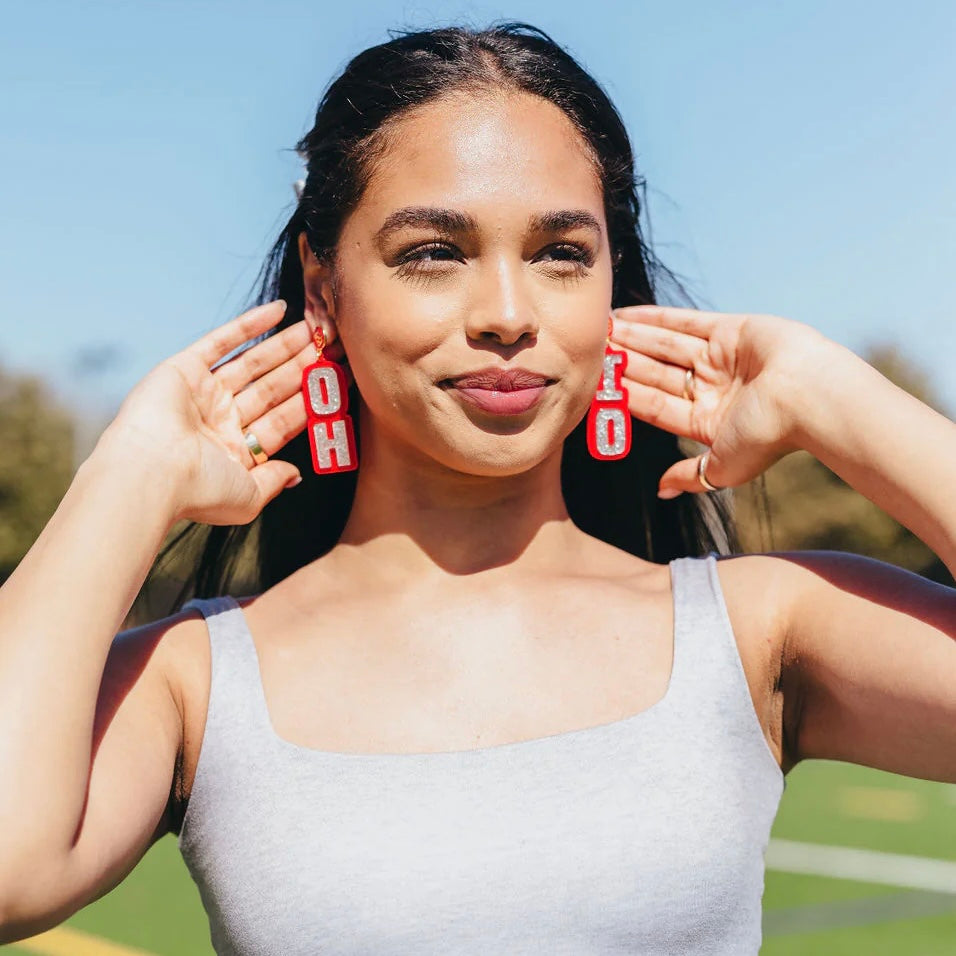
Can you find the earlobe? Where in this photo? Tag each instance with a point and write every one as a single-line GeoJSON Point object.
{"type": "Point", "coordinates": [319, 297]}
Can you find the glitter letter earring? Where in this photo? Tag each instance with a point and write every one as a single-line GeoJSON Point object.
{"type": "Point", "coordinates": [609, 420]}
{"type": "Point", "coordinates": [326, 406]}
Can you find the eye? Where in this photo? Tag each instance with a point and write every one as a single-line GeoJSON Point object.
{"type": "Point", "coordinates": [417, 259]}
{"type": "Point", "coordinates": [568, 258]}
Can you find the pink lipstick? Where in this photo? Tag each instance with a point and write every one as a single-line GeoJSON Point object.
{"type": "Point", "coordinates": [500, 391]}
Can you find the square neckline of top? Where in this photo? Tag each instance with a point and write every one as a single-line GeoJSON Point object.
{"type": "Point", "coordinates": [561, 738]}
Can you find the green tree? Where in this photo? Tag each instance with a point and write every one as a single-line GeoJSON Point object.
{"type": "Point", "coordinates": [36, 467]}
{"type": "Point", "coordinates": [801, 505]}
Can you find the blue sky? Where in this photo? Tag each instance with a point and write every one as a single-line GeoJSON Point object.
{"type": "Point", "coordinates": [799, 160]}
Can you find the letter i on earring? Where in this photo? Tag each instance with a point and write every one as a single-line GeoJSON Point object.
{"type": "Point", "coordinates": [609, 419]}
{"type": "Point", "coordinates": [326, 407]}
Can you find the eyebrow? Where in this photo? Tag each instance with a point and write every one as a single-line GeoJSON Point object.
{"type": "Point", "coordinates": [451, 221]}
{"type": "Point", "coordinates": [444, 220]}
{"type": "Point", "coordinates": [560, 219]}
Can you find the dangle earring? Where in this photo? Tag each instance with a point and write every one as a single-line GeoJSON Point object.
{"type": "Point", "coordinates": [326, 407]}
{"type": "Point", "coordinates": [609, 420]}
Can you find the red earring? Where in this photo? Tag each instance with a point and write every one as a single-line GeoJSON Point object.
{"type": "Point", "coordinates": [326, 408]}
{"type": "Point", "coordinates": [609, 420]}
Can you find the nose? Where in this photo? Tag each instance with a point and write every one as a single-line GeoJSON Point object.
{"type": "Point", "coordinates": [502, 311]}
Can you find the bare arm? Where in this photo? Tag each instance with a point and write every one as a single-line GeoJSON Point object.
{"type": "Point", "coordinates": [872, 649]}
{"type": "Point", "coordinates": [58, 613]}
{"type": "Point", "coordinates": [886, 444]}
{"type": "Point", "coordinates": [868, 651]}
{"type": "Point", "coordinates": [175, 451]}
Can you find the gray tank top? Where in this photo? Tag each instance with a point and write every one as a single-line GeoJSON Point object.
{"type": "Point", "coordinates": [645, 835]}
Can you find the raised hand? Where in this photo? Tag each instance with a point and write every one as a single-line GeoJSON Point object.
{"type": "Point", "coordinates": [188, 417]}
{"type": "Point", "coordinates": [739, 401]}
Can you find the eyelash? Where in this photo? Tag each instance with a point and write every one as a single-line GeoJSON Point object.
{"type": "Point", "coordinates": [412, 261]}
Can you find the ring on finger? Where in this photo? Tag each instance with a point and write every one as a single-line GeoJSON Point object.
{"type": "Point", "coordinates": [255, 449]}
{"type": "Point", "coordinates": [689, 384]}
{"type": "Point", "coordinates": [701, 469]}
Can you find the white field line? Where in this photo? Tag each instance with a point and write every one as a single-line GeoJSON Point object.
{"type": "Point", "coordinates": [867, 866]}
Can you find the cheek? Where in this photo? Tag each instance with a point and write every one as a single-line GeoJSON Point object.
{"type": "Point", "coordinates": [583, 343]}
{"type": "Point", "coordinates": [386, 341]}
{"type": "Point", "coordinates": [588, 378]}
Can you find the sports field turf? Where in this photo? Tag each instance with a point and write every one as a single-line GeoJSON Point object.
{"type": "Point", "coordinates": [893, 907]}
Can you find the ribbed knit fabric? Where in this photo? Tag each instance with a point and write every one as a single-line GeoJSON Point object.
{"type": "Point", "coordinates": [645, 835]}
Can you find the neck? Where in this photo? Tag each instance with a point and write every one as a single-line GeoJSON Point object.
{"type": "Point", "coordinates": [420, 517]}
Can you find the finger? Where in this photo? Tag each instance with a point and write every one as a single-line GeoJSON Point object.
{"type": "Point", "coordinates": [648, 371]}
{"type": "Point", "coordinates": [665, 345]}
{"type": "Point", "coordinates": [260, 359]}
{"type": "Point", "coordinates": [220, 342]}
{"type": "Point", "coordinates": [660, 409]}
{"type": "Point", "coordinates": [679, 478]}
{"type": "Point", "coordinates": [691, 321]}
{"type": "Point", "coordinates": [684, 476]}
{"type": "Point", "coordinates": [279, 425]}
{"type": "Point", "coordinates": [272, 476]}
{"type": "Point", "coordinates": [274, 388]}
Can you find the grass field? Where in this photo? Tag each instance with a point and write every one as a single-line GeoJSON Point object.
{"type": "Point", "coordinates": [893, 906]}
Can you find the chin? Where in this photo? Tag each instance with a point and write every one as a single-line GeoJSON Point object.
{"type": "Point", "coordinates": [502, 457]}
{"type": "Point", "coordinates": [495, 448]}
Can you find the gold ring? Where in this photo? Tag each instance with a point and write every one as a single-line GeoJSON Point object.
{"type": "Point", "coordinates": [689, 384]}
{"type": "Point", "coordinates": [255, 449]}
{"type": "Point", "coordinates": [701, 477]}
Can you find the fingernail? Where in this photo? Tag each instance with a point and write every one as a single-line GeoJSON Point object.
{"type": "Point", "coordinates": [292, 482]}
{"type": "Point", "coordinates": [667, 493]}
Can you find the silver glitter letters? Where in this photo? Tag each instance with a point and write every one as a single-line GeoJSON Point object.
{"type": "Point", "coordinates": [331, 436]}
{"type": "Point", "coordinates": [328, 424]}
{"type": "Point", "coordinates": [611, 435]}
{"type": "Point", "coordinates": [609, 391]}
{"type": "Point", "coordinates": [609, 418]}
{"type": "Point", "coordinates": [323, 387]}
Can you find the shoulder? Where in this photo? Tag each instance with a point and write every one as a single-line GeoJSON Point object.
{"type": "Point", "coordinates": [758, 593]}
{"type": "Point", "coordinates": [142, 687]}
{"type": "Point", "coordinates": [180, 645]}
{"type": "Point", "coordinates": [161, 645]}
{"type": "Point", "coordinates": [833, 604]}
{"type": "Point", "coordinates": [186, 661]}
{"type": "Point", "coordinates": [756, 586]}
{"type": "Point", "coordinates": [779, 597]}
{"type": "Point", "coordinates": [822, 615]}
{"type": "Point", "coordinates": [184, 658]}
{"type": "Point", "coordinates": [869, 650]}
{"type": "Point", "coordinates": [798, 588]}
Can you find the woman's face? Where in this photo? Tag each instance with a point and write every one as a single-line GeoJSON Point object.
{"type": "Point", "coordinates": [479, 248]}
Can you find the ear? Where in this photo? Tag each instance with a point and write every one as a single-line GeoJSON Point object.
{"type": "Point", "coordinates": [319, 292]}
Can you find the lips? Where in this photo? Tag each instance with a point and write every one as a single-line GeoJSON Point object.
{"type": "Point", "coordinates": [500, 391]}
{"type": "Point", "coordinates": [500, 379]}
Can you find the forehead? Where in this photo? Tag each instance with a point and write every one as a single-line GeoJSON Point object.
{"type": "Point", "coordinates": [489, 149]}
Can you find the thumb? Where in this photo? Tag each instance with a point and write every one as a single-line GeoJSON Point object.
{"type": "Point", "coordinates": [273, 476]}
{"type": "Point", "coordinates": [685, 476]}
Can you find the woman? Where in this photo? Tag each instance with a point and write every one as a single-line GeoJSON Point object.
{"type": "Point", "coordinates": [495, 695]}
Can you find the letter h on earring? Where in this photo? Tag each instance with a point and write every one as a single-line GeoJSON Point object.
{"type": "Point", "coordinates": [609, 419]}
{"type": "Point", "coordinates": [328, 423]}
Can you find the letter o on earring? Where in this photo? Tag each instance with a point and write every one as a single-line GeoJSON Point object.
{"type": "Point", "coordinates": [701, 468]}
